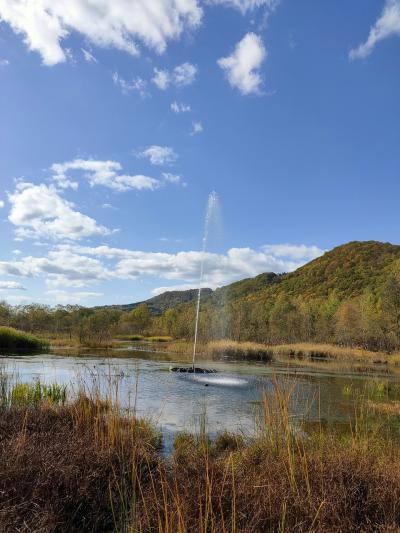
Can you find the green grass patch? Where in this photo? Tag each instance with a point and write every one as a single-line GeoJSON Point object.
{"type": "Point", "coordinates": [34, 394]}
{"type": "Point", "coordinates": [15, 341]}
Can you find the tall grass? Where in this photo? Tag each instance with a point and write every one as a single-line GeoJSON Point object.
{"type": "Point", "coordinates": [239, 350]}
{"type": "Point", "coordinates": [15, 341]}
{"type": "Point", "coordinates": [283, 480]}
{"type": "Point", "coordinates": [88, 465]}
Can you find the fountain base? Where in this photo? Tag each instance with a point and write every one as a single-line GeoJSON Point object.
{"type": "Point", "coordinates": [191, 370]}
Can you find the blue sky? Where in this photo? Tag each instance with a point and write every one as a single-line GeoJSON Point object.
{"type": "Point", "coordinates": [116, 121]}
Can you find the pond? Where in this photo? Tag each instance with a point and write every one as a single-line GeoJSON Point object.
{"type": "Point", "coordinates": [227, 400]}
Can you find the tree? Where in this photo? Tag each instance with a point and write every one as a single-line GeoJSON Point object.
{"type": "Point", "coordinates": [139, 319]}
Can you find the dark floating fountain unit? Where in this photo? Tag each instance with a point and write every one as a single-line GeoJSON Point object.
{"type": "Point", "coordinates": [192, 370]}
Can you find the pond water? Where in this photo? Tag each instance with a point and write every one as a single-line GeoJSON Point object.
{"type": "Point", "coordinates": [228, 399]}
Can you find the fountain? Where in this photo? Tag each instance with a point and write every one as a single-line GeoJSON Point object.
{"type": "Point", "coordinates": [211, 208]}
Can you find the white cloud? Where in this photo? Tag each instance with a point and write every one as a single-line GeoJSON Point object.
{"type": "Point", "coordinates": [17, 299]}
{"type": "Point", "coordinates": [180, 76]}
{"type": "Point", "coordinates": [105, 173]}
{"type": "Point", "coordinates": [137, 84]}
{"type": "Point", "coordinates": [4, 62]}
{"type": "Point", "coordinates": [235, 264]}
{"type": "Point", "coordinates": [184, 74]}
{"type": "Point", "coordinates": [61, 266]}
{"type": "Point", "coordinates": [180, 107]}
{"type": "Point", "coordinates": [173, 178]}
{"type": "Point", "coordinates": [38, 211]}
{"type": "Point", "coordinates": [295, 252]}
{"type": "Point", "coordinates": [44, 24]}
{"type": "Point", "coordinates": [62, 182]}
{"type": "Point", "coordinates": [11, 285]}
{"type": "Point", "coordinates": [247, 5]}
{"type": "Point", "coordinates": [242, 66]}
{"type": "Point", "coordinates": [88, 56]}
{"type": "Point", "coordinates": [1, 204]}
{"type": "Point", "coordinates": [66, 297]}
{"type": "Point", "coordinates": [161, 79]}
{"type": "Point", "coordinates": [197, 127]}
{"type": "Point", "coordinates": [387, 25]}
{"type": "Point", "coordinates": [159, 155]}
{"type": "Point", "coordinates": [81, 266]}
{"type": "Point", "coordinates": [180, 287]}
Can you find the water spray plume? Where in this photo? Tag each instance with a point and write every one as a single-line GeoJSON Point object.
{"type": "Point", "coordinates": [211, 208]}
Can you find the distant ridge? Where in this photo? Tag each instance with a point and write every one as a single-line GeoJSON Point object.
{"type": "Point", "coordinates": [167, 300]}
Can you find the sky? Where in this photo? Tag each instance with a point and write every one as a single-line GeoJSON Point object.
{"type": "Point", "coordinates": [117, 119]}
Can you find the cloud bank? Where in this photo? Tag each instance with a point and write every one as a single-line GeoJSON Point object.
{"type": "Point", "coordinates": [120, 24]}
{"type": "Point", "coordinates": [82, 266]}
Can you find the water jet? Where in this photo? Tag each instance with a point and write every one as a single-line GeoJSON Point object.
{"type": "Point", "coordinates": [210, 212]}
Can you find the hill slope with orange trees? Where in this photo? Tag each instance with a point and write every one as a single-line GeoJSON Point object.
{"type": "Point", "coordinates": [350, 295]}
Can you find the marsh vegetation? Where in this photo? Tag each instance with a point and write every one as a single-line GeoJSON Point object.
{"type": "Point", "coordinates": [85, 464]}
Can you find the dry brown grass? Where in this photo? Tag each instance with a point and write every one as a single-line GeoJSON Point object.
{"type": "Point", "coordinates": [326, 351]}
{"type": "Point", "coordinates": [314, 352]}
{"type": "Point", "coordinates": [87, 467]}
{"type": "Point", "coordinates": [391, 408]}
{"type": "Point", "coordinates": [239, 350]}
{"type": "Point", "coordinates": [279, 482]}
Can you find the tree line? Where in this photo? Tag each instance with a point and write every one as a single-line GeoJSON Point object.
{"type": "Point", "coordinates": [370, 320]}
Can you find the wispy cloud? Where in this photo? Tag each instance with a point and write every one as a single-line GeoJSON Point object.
{"type": "Point", "coordinates": [247, 5]}
{"type": "Point", "coordinates": [158, 155]}
{"type": "Point", "coordinates": [197, 127]}
{"type": "Point", "coordinates": [387, 25]}
{"type": "Point", "coordinates": [135, 85]}
{"type": "Point", "coordinates": [180, 76]}
{"type": "Point", "coordinates": [173, 178]}
{"type": "Point", "coordinates": [88, 56]}
{"type": "Point", "coordinates": [11, 285]}
{"type": "Point", "coordinates": [60, 296]}
{"type": "Point", "coordinates": [180, 107]}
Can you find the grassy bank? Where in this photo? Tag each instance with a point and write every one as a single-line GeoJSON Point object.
{"type": "Point", "coordinates": [69, 466]}
{"type": "Point", "coordinates": [15, 341]}
{"type": "Point", "coordinates": [300, 351]}
{"type": "Point", "coordinates": [86, 466]}
{"type": "Point", "coordinates": [331, 351]}
{"type": "Point", "coordinates": [239, 350]}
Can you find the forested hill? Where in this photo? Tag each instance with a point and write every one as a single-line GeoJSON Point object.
{"type": "Point", "coordinates": [348, 270]}
{"type": "Point", "coordinates": [350, 295]}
